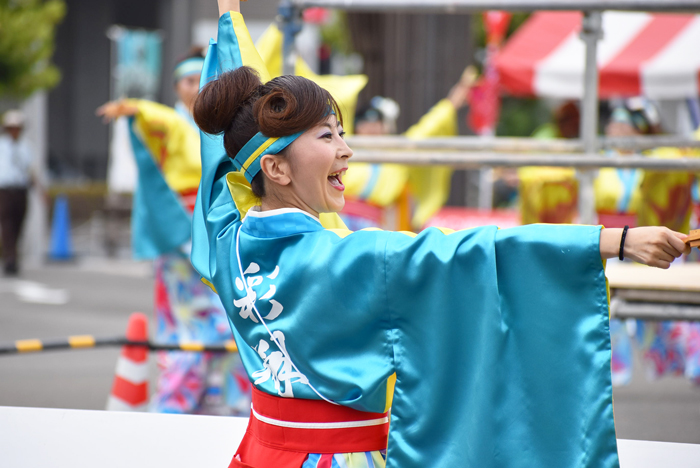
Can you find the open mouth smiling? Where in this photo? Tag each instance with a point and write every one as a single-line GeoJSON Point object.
{"type": "Point", "coordinates": [336, 180]}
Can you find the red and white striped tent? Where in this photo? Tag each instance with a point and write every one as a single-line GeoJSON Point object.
{"type": "Point", "coordinates": [655, 55]}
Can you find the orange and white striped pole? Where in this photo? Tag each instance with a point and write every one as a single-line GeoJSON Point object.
{"type": "Point", "coordinates": [130, 387]}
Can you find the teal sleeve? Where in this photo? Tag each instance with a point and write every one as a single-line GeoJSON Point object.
{"type": "Point", "coordinates": [159, 222]}
{"type": "Point", "coordinates": [502, 349]}
{"type": "Point", "coordinates": [215, 212]}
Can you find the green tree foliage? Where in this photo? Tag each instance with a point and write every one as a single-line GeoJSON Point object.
{"type": "Point", "coordinates": [520, 117]}
{"type": "Point", "coordinates": [27, 30]}
{"type": "Point", "coordinates": [336, 33]}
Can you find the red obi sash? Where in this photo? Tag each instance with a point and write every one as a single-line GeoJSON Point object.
{"type": "Point", "coordinates": [283, 431]}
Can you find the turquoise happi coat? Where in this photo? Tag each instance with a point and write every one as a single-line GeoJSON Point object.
{"type": "Point", "coordinates": [493, 343]}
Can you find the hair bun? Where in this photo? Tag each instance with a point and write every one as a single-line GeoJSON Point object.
{"type": "Point", "coordinates": [280, 111]}
{"type": "Point", "coordinates": [219, 101]}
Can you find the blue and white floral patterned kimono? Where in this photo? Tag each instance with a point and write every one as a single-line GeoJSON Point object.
{"type": "Point", "coordinates": [491, 347]}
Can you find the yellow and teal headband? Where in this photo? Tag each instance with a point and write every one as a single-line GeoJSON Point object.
{"type": "Point", "coordinates": [248, 158]}
{"type": "Point", "coordinates": [190, 66]}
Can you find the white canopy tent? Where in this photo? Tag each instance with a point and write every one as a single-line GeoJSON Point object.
{"type": "Point", "coordinates": [655, 55]}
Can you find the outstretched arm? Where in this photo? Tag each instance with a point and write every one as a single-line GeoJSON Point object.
{"type": "Point", "coordinates": [460, 92]}
{"type": "Point", "coordinates": [229, 5]}
{"type": "Point", "coordinates": [653, 246]}
{"type": "Point", "coordinates": [112, 110]}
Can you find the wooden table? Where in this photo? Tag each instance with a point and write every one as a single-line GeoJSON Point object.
{"type": "Point", "coordinates": [639, 291]}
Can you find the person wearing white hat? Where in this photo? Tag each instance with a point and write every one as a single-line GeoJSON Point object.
{"type": "Point", "coordinates": [15, 179]}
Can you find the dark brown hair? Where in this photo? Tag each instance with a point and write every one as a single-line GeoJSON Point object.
{"type": "Point", "coordinates": [193, 52]}
{"type": "Point", "coordinates": [238, 106]}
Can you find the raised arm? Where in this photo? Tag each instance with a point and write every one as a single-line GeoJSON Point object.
{"type": "Point", "coordinates": [459, 93]}
{"type": "Point", "coordinates": [653, 246]}
{"type": "Point", "coordinates": [229, 5]}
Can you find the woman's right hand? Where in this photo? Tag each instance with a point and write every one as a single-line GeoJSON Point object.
{"type": "Point", "coordinates": [655, 246]}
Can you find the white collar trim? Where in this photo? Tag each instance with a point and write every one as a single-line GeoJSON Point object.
{"type": "Point", "coordinates": [256, 212]}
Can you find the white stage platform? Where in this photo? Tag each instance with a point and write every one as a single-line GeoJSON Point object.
{"type": "Point", "coordinates": [62, 438]}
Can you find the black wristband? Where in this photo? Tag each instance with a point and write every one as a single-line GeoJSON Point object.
{"type": "Point", "coordinates": [622, 243]}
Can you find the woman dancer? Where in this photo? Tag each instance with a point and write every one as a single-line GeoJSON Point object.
{"type": "Point", "coordinates": [468, 337]}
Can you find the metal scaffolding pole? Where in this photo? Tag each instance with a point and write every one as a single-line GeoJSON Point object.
{"type": "Point", "coordinates": [511, 144]}
{"type": "Point", "coordinates": [467, 6]}
{"type": "Point", "coordinates": [289, 18]}
{"type": "Point", "coordinates": [591, 32]}
{"type": "Point", "coordinates": [475, 160]}
{"type": "Point", "coordinates": [622, 309]}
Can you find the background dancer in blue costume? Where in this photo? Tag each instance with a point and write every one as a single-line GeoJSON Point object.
{"type": "Point", "coordinates": [166, 148]}
{"type": "Point", "coordinates": [491, 347]}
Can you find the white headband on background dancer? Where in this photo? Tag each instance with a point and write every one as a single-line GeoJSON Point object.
{"type": "Point", "coordinates": [190, 66]}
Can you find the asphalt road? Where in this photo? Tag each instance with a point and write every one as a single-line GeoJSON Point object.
{"type": "Point", "coordinates": [100, 294]}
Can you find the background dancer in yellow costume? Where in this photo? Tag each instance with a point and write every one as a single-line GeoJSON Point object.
{"type": "Point", "coordinates": [373, 189]}
{"type": "Point", "coordinates": [618, 191]}
{"type": "Point", "coordinates": [166, 147]}
{"type": "Point", "coordinates": [617, 195]}
{"type": "Point", "coordinates": [550, 194]}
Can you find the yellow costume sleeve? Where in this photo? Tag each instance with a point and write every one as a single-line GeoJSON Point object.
{"type": "Point", "coordinates": [547, 194]}
{"type": "Point", "coordinates": [344, 89]}
{"type": "Point", "coordinates": [250, 56]}
{"type": "Point", "coordinates": [172, 141]}
{"type": "Point", "coordinates": [666, 196]}
{"type": "Point", "coordinates": [609, 190]}
{"type": "Point", "coordinates": [379, 184]}
{"type": "Point", "coordinates": [269, 47]}
{"type": "Point", "coordinates": [382, 184]}
{"type": "Point", "coordinates": [430, 186]}
{"type": "Point", "coordinates": [441, 120]}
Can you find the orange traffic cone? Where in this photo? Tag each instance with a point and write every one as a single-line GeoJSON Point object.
{"type": "Point", "coordinates": [130, 388]}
